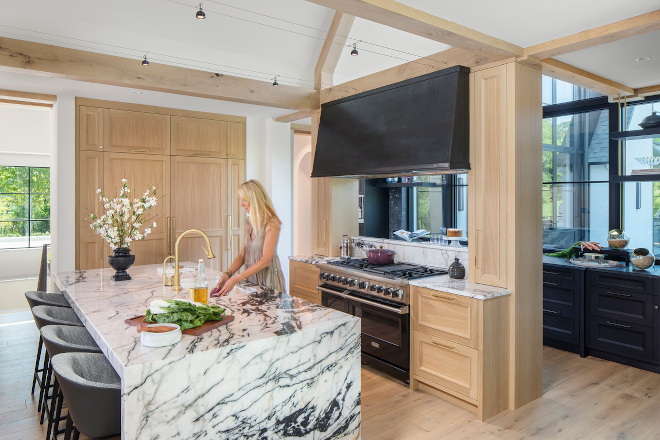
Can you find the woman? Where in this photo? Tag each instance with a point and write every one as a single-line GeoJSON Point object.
{"type": "Point", "coordinates": [258, 251]}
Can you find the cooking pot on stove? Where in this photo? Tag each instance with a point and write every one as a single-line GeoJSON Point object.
{"type": "Point", "coordinates": [380, 256]}
{"type": "Point", "coordinates": [651, 121]}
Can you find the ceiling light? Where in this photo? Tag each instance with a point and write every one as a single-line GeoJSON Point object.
{"type": "Point", "coordinates": [137, 92]}
{"type": "Point", "coordinates": [200, 14]}
{"type": "Point", "coordinates": [275, 83]}
{"type": "Point", "coordinates": [643, 59]}
{"type": "Point", "coordinates": [145, 61]}
{"type": "Point", "coordinates": [354, 52]}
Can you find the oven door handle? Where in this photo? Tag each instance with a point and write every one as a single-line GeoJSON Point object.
{"type": "Point", "coordinates": [401, 311]}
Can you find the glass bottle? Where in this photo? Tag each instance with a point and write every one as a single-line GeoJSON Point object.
{"type": "Point", "coordinates": [201, 285]}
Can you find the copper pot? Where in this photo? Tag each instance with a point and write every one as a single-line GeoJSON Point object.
{"type": "Point", "coordinates": [380, 256]}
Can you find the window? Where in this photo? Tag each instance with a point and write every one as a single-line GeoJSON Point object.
{"type": "Point", "coordinates": [440, 206]}
{"type": "Point", "coordinates": [555, 91]}
{"type": "Point", "coordinates": [24, 207]}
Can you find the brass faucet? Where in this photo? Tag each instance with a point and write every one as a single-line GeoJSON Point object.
{"type": "Point", "coordinates": [209, 255]}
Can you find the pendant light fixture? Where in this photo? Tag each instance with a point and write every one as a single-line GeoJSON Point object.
{"type": "Point", "coordinates": [354, 52]}
{"type": "Point", "coordinates": [200, 15]}
{"type": "Point", "coordinates": [145, 61]}
{"type": "Point", "coordinates": [275, 83]}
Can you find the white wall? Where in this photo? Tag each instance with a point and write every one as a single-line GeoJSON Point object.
{"type": "Point", "coordinates": [302, 191]}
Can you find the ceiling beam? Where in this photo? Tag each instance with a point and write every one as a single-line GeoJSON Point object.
{"type": "Point", "coordinates": [411, 20]}
{"type": "Point", "coordinates": [332, 49]}
{"type": "Point", "coordinates": [302, 114]}
{"type": "Point", "coordinates": [441, 60]}
{"type": "Point", "coordinates": [61, 62]}
{"type": "Point", "coordinates": [566, 72]}
{"type": "Point", "coordinates": [26, 103]}
{"type": "Point", "coordinates": [627, 28]}
{"type": "Point", "coordinates": [26, 96]}
{"type": "Point", "coordinates": [651, 90]}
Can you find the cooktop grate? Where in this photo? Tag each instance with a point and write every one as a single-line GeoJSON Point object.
{"type": "Point", "coordinates": [404, 271]}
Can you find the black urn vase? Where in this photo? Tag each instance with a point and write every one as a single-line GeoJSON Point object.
{"type": "Point", "coordinates": [120, 261]}
{"type": "Point", "coordinates": [456, 270]}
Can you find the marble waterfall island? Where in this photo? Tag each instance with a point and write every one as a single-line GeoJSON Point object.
{"type": "Point", "coordinates": [283, 369]}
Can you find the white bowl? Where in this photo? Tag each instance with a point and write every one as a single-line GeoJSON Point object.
{"type": "Point", "coordinates": [149, 339]}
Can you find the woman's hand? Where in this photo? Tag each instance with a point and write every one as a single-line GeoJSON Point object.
{"type": "Point", "coordinates": [221, 282]}
{"type": "Point", "coordinates": [227, 287]}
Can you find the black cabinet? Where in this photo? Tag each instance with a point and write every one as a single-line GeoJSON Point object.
{"type": "Point", "coordinates": [630, 307]}
{"type": "Point", "coordinates": [621, 337]}
{"type": "Point", "coordinates": [563, 308]}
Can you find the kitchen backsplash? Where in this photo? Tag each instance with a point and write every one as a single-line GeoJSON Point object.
{"type": "Point", "coordinates": [413, 252]}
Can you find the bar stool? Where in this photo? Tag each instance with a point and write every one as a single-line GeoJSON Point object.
{"type": "Point", "coordinates": [92, 390]}
{"type": "Point", "coordinates": [51, 315]}
{"type": "Point", "coordinates": [34, 299]}
{"type": "Point", "coordinates": [62, 339]}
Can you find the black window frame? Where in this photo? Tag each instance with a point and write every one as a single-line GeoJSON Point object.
{"type": "Point", "coordinates": [450, 200]}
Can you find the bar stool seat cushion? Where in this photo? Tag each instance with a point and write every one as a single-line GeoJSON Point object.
{"type": "Point", "coordinates": [92, 390]}
{"type": "Point", "coordinates": [51, 315]}
{"type": "Point", "coordinates": [46, 299]}
{"type": "Point", "coordinates": [68, 339]}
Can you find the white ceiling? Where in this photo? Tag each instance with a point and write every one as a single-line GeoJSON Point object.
{"type": "Point", "coordinates": [235, 41]}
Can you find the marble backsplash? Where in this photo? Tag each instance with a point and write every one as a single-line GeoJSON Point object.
{"type": "Point", "coordinates": [414, 252]}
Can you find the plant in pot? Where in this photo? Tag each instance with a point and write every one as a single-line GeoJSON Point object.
{"type": "Point", "coordinates": [122, 223]}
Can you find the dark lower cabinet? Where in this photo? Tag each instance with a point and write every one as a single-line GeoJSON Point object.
{"type": "Point", "coordinates": [621, 337]}
{"type": "Point", "coordinates": [561, 325]}
{"type": "Point", "coordinates": [563, 308]}
{"type": "Point", "coordinates": [631, 307]}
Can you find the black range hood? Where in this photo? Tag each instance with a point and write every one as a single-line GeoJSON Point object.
{"type": "Point", "coordinates": [420, 126]}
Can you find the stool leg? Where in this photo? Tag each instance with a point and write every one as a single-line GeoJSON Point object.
{"type": "Point", "coordinates": [36, 365]}
{"type": "Point", "coordinates": [69, 425]}
{"type": "Point", "coordinates": [47, 395]}
{"type": "Point", "coordinates": [58, 416]}
{"type": "Point", "coordinates": [51, 415]}
{"type": "Point", "coordinates": [76, 433]}
{"type": "Point", "coordinates": [43, 381]}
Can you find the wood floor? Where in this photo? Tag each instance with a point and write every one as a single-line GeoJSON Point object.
{"type": "Point", "coordinates": [583, 399]}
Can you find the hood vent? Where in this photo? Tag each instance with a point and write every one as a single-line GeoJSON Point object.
{"type": "Point", "coordinates": [417, 126]}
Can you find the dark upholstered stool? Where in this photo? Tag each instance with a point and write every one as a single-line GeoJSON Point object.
{"type": "Point", "coordinates": [51, 315]}
{"type": "Point", "coordinates": [62, 339]}
{"type": "Point", "coordinates": [92, 390]}
{"type": "Point", "coordinates": [43, 299]}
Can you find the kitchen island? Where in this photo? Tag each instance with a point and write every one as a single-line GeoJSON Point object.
{"type": "Point", "coordinates": [284, 368]}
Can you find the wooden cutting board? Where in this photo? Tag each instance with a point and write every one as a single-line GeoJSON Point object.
{"type": "Point", "coordinates": [195, 331]}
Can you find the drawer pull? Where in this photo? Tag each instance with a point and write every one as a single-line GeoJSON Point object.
{"type": "Point", "coordinates": [554, 312]}
{"type": "Point", "coordinates": [547, 283]}
{"type": "Point", "coordinates": [551, 273]}
{"type": "Point", "coordinates": [620, 294]}
{"type": "Point", "coordinates": [442, 345]}
{"type": "Point", "coordinates": [619, 325]}
{"type": "Point", "coordinates": [133, 150]}
{"type": "Point", "coordinates": [448, 298]}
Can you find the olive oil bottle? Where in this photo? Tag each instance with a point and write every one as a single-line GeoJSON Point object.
{"type": "Point", "coordinates": [201, 287]}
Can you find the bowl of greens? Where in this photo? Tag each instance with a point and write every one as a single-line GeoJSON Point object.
{"type": "Point", "coordinates": [186, 314]}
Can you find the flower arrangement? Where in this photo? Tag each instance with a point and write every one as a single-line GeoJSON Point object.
{"type": "Point", "coordinates": [123, 218]}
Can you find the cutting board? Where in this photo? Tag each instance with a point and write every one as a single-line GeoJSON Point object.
{"type": "Point", "coordinates": [195, 331]}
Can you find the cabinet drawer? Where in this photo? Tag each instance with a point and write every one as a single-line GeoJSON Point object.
{"type": "Point", "coordinates": [620, 281]}
{"type": "Point", "coordinates": [448, 316]}
{"type": "Point", "coordinates": [560, 323]}
{"type": "Point", "coordinates": [561, 294]}
{"type": "Point", "coordinates": [446, 363]}
{"type": "Point", "coordinates": [315, 298]}
{"type": "Point", "coordinates": [554, 273]}
{"type": "Point", "coordinates": [620, 337]}
{"type": "Point", "coordinates": [303, 277]}
{"type": "Point", "coordinates": [625, 306]}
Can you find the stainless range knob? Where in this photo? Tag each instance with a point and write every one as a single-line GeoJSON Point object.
{"type": "Point", "coordinates": [389, 291]}
{"type": "Point", "coordinates": [363, 285]}
{"type": "Point", "coordinates": [340, 280]}
{"type": "Point", "coordinates": [397, 294]}
{"type": "Point", "coordinates": [352, 282]}
{"type": "Point", "coordinates": [324, 276]}
{"type": "Point", "coordinates": [380, 289]}
{"type": "Point", "coordinates": [346, 281]}
{"type": "Point", "coordinates": [333, 277]}
{"type": "Point", "coordinates": [373, 287]}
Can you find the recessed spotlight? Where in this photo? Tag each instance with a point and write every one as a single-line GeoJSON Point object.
{"type": "Point", "coordinates": [201, 15]}
{"type": "Point", "coordinates": [275, 83]}
{"type": "Point", "coordinates": [354, 52]}
{"type": "Point", "coordinates": [137, 92]}
{"type": "Point", "coordinates": [643, 59]}
{"type": "Point", "coordinates": [145, 61]}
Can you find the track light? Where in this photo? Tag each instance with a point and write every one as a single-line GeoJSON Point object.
{"type": "Point", "coordinates": [354, 52]}
{"type": "Point", "coordinates": [145, 61]}
{"type": "Point", "coordinates": [275, 83]}
{"type": "Point", "coordinates": [201, 15]}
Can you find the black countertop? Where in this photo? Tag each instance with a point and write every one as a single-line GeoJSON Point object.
{"type": "Point", "coordinates": [629, 269]}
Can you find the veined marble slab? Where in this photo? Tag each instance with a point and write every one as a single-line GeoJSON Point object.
{"type": "Point", "coordinates": [312, 259]}
{"type": "Point", "coordinates": [443, 283]}
{"type": "Point", "coordinates": [283, 369]}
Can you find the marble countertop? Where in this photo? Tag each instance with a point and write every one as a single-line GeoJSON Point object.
{"type": "Point", "coordinates": [460, 287]}
{"type": "Point", "coordinates": [103, 305]}
{"type": "Point", "coordinates": [312, 259]}
{"type": "Point", "coordinates": [629, 269]}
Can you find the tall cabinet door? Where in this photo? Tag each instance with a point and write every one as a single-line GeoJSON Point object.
{"type": "Point", "coordinates": [236, 142]}
{"type": "Point", "coordinates": [488, 181]}
{"type": "Point", "coordinates": [199, 137]}
{"type": "Point", "coordinates": [199, 201]}
{"type": "Point", "coordinates": [90, 125]}
{"type": "Point", "coordinates": [93, 250]}
{"type": "Point", "coordinates": [137, 132]}
{"type": "Point", "coordinates": [321, 193]}
{"type": "Point", "coordinates": [236, 214]}
{"type": "Point", "coordinates": [142, 172]}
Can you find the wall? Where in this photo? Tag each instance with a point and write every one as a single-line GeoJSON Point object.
{"type": "Point", "coordinates": [302, 194]}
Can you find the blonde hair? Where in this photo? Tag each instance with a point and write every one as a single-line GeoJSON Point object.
{"type": "Point", "coordinates": [261, 207]}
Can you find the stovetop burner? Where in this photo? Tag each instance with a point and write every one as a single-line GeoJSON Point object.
{"type": "Point", "coordinates": [398, 270]}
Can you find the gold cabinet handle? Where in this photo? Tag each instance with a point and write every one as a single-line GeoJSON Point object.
{"type": "Point", "coordinates": [442, 345]}
{"type": "Point", "coordinates": [132, 150]}
{"type": "Point", "coordinates": [324, 233]}
{"type": "Point", "coordinates": [173, 232]}
{"type": "Point", "coordinates": [169, 236]}
{"type": "Point", "coordinates": [448, 298]}
{"type": "Point", "coordinates": [229, 233]}
{"type": "Point", "coordinates": [476, 249]}
{"type": "Point", "coordinates": [199, 154]}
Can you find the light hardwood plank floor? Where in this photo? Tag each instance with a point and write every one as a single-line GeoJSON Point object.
{"type": "Point", "coordinates": [583, 399]}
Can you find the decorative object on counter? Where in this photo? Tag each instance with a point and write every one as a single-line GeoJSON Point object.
{"type": "Point", "coordinates": [594, 263]}
{"type": "Point", "coordinates": [345, 247]}
{"type": "Point", "coordinates": [454, 232]}
{"type": "Point", "coordinates": [380, 256]}
{"type": "Point", "coordinates": [618, 238]}
{"type": "Point", "coordinates": [593, 256]}
{"type": "Point", "coordinates": [590, 245]}
{"type": "Point", "coordinates": [642, 258]}
{"type": "Point", "coordinates": [651, 121]}
{"type": "Point", "coordinates": [409, 236]}
{"type": "Point", "coordinates": [391, 179]}
{"type": "Point", "coordinates": [120, 224]}
{"type": "Point", "coordinates": [405, 179]}
{"type": "Point", "coordinates": [200, 289]}
{"type": "Point", "coordinates": [456, 270]}
{"type": "Point", "coordinates": [153, 336]}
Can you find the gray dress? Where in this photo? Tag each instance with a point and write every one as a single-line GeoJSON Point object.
{"type": "Point", "coordinates": [270, 276]}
